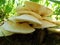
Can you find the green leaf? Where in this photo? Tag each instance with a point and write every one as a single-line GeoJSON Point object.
{"type": "Point", "coordinates": [2, 14]}
{"type": "Point", "coordinates": [47, 3]}
{"type": "Point", "coordinates": [57, 11]}
{"type": "Point", "coordinates": [8, 8]}
{"type": "Point", "coordinates": [13, 1]}
{"type": "Point", "coordinates": [2, 2]}
{"type": "Point", "coordinates": [35, 0]}
{"type": "Point", "coordinates": [55, 1]}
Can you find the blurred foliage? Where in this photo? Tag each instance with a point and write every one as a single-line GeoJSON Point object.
{"type": "Point", "coordinates": [56, 1]}
{"type": "Point", "coordinates": [7, 7]}
{"type": "Point", "coordinates": [2, 2]}
{"type": "Point", "coordinates": [35, 0]}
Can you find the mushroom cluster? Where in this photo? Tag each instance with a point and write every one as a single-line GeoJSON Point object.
{"type": "Point", "coordinates": [29, 17]}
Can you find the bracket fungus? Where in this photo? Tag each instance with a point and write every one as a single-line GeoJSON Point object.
{"type": "Point", "coordinates": [28, 17]}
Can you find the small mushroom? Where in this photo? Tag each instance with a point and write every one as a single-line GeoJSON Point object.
{"type": "Point", "coordinates": [47, 24]}
{"type": "Point", "coordinates": [55, 30]}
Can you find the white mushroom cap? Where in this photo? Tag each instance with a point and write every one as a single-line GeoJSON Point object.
{"type": "Point", "coordinates": [29, 19]}
{"type": "Point", "coordinates": [3, 32]}
{"type": "Point", "coordinates": [17, 27]}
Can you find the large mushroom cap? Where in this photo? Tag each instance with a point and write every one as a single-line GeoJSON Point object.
{"type": "Point", "coordinates": [29, 19]}
{"type": "Point", "coordinates": [47, 24]}
{"type": "Point", "coordinates": [3, 32]}
{"type": "Point", "coordinates": [18, 28]}
{"type": "Point", "coordinates": [40, 9]}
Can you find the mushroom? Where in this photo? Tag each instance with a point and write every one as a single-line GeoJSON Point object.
{"type": "Point", "coordinates": [47, 24]}
{"type": "Point", "coordinates": [29, 17]}
{"type": "Point", "coordinates": [55, 30]}
{"type": "Point", "coordinates": [26, 18]}
{"type": "Point", "coordinates": [22, 24]}
{"type": "Point", "coordinates": [37, 8]}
